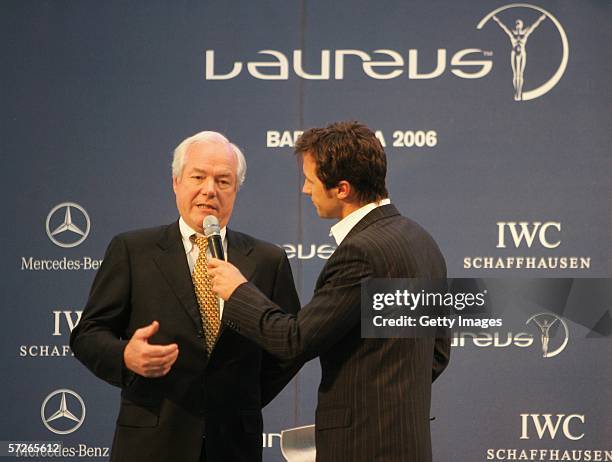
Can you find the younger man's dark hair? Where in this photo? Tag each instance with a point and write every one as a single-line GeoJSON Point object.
{"type": "Point", "coordinates": [347, 151]}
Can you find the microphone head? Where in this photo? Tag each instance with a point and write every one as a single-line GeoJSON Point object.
{"type": "Point", "coordinates": [211, 226]}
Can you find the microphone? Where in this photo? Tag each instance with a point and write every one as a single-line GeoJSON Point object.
{"type": "Point", "coordinates": [213, 234]}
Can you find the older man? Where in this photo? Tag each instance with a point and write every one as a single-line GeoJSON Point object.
{"type": "Point", "coordinates": [374, 395]}
{"type": "Point", "coordinates": [191, 389]}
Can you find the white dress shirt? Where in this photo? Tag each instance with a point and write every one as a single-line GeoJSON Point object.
{"type": "Point", "coordinates": [192, 251]}
{"type": "Point", "coordinates": [341, 229]}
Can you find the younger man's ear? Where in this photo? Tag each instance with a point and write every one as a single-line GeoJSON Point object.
{"type": "Point", "coordinates": [344, 189]}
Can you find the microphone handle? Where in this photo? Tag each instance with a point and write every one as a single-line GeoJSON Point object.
{"type": "Point", "coordinates": [216, 246]}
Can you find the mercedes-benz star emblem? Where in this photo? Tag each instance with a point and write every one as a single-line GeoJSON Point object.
{"type": "Point", "coordinates": [68, 224]}
{"type": "Point", "coordinates": [64, 415]}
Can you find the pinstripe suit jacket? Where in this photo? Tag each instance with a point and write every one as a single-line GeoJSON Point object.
{"type": "Point", "coordinates": [374, 396]}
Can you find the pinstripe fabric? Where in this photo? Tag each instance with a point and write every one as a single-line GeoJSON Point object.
{"type": "Point", "coordinates": [374, 396]}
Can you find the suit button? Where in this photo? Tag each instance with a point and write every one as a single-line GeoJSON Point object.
{"type": "Point", "coordinates": [200, 334]}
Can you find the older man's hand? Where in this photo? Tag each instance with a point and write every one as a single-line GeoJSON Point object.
{"type": "Point", "coordinates": [147, 359]}
{"type": "Point", "coordinates": [225, 277]}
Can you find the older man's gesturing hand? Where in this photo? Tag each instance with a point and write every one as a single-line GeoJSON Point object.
{"type": "Point", "coordinates": [225, 277]}
{"type": "Point", "coordinates": [146, 359]}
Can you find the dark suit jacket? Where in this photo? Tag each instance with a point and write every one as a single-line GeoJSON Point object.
{"type": "Point", "coordinates": [374, 396]}
{"type": "Point", "coordinates": [145, 277]}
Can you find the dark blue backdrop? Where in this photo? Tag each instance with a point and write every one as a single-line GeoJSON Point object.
{"type": "Point", "coordinates": [95, 95]}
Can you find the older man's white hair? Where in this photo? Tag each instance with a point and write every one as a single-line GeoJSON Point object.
{"type": "Point", "coordinates": [178, 161]}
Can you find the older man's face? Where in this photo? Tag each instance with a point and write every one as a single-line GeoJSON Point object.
{"type": "Point", "coordinates": [208, 183]}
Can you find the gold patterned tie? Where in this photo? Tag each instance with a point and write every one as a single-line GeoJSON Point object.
{"type": "Point", "coordinates": [208, 301]}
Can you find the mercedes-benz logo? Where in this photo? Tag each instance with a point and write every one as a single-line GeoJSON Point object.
{"type": "Point", "coordinates": [68, 224]}
{"type": "Point", "coordinates": [66, 411]}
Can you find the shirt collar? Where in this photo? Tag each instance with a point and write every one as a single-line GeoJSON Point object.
{"type": "Point", "coordinates": [341, 229]}
{"type": "Point", "coordinates": [187, 232]}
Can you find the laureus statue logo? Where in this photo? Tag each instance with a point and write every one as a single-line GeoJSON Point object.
{"type": "Point", "coordinates": [545, 322]}
{"type": "Point", "coordinates": [518, 35]}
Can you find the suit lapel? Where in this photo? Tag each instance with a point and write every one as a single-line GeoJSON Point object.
{"type": "Point", "coordinates": [238, 250]}
{"type": "Point", "coordinates": [378, 213]}
{"type": "Point", "coordinates": [172, 262]}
